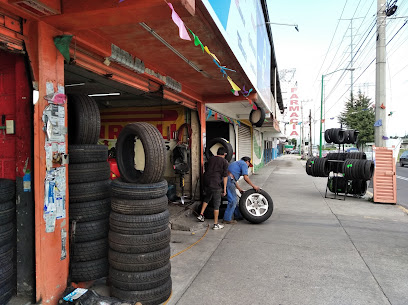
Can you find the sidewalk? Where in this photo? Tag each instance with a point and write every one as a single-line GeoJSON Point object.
{"type": "Point", "coordinates": [313, 250]}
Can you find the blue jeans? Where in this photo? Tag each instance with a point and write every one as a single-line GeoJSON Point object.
{"type": "Point", "coordinates": [232, 208]}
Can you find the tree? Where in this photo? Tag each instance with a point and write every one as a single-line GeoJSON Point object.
{"type": "Point", "coordinates": [359, 115]}
{"type": "Point", "coordinates": [293, 141]}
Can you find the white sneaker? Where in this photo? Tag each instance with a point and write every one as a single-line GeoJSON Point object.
{"type": "Point", "coordinates": [218, 226]}
{"type": "Point", "coordinates": [201, 218]}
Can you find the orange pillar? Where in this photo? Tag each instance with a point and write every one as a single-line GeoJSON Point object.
{"type": "Point", "coordinates": [48, 71]}
{"type": "Point", "coordinates": [202, 118]}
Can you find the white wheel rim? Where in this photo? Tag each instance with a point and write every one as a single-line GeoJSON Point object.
{"type": "Point", "coordinates": [257, 205]}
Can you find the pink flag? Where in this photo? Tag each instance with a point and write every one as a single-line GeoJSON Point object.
{"type": "Point", "coordinates": [177, 20]}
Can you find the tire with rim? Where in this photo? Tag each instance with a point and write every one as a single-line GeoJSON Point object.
{"type": "Point", "coordinates": [87, 153]}
{"type": "Point", "coordinates": [219, 142]}
{"type": "Point", "coordinates": [256, 207]}
{"type": "Point", "coordinates": [7, 189]}
{"type": "Point", "coordinates": [84, 120]}
{"type": "Point", "coordinates": [154, 152]}
{"type": "Point", "coordinates": [257, 117]}
{"type": "Point", "coordinates": [125, 190]}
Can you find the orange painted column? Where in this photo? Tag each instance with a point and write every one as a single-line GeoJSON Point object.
{"type": "Point", "coordinates": [48, 70]}
{"type": "Point", "coordinates": [202, 118]}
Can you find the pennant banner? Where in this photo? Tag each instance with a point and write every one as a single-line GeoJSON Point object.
{"type": "Point", "coordinates": [378, 123]}
{"type": "Point", "coordinates": [209, 114]}
{"type": "Point", "coordinates": [197, 41]}
{"type": "Point", "coordinates": [177, 20]}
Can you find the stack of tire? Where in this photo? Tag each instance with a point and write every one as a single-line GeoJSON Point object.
{"type": "Point", "coordinates": [7, 236]}
{"type": "Point", "coordinates": [139, 236]}
{"type": "Point", "coordinates": [89, 192]}
{"type": "Point", "coordinates": [337, 167]}
{"type": "Point", "coordinates": [340, 184]}
{"type": "Point", "coordinates": [341, 136]}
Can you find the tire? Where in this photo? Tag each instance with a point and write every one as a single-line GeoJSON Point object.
{"type": "Point", "coordinates": [6, 293]}
{"type": "Point", "coordinates": [89, 191]}
{"type": "Point", "coordinates": [91, 250]}
{"type": "Point", "coordinates": [139, 207]}
{"type": "Point", "coordinates": [256, 207]}
{"type": "Point", "coordinates": [88, 172]}
{"type": "Point", "coordinates": [139, 224]}
{"type": "Point", "coordinates": [87, 153]}
{"type": "Point", "coordinates": [139, 243]}
{"type": "Point", "coordinates": [6, 233]}
{"type": "Point", "coordinates": [7, 189]}
{"type": "Point", "coordinates": [124, 190]}
{"type": "Point", "coordinates": [147, 297]}
{"type": "Point", "coordinates": [227, 145]}
{"type": "Point", "coordinates": [6, 253]}
{"type": "Point", "coordinates": [89, 211]}
{"type": "Point", "coordinates": [84, 119]}
{"type": "Point", "coordinates": [6, 273]}
{"type": "Point", "coordinates": [139, 262]}
{"type": "Point", "coordinates": [90, 231]}
{"type": "Point", "coordinates": [154, 151]}
{"type": "Point", "coordinates": [257, 117]}
{"type": "Point", "coordinates": [90, 270]}
{"type": "Point", "coordinates": [7, 212]}
{"type": "Point", "coordinates": [128, 280]}
{"type": "Point", "coordinates": [209, 211]}
{"type": "Point", "coordinates": [401, 164]}
{"type": "Point", "coordinates": [327, 136]}
{"type": "Point", "coordinates": [353, 136]}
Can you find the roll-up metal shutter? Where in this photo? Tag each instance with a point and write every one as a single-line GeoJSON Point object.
{"type": "Point", "coordinates": [244, 142]}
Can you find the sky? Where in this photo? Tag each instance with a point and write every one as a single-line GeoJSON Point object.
{"type": "Point", "coordinates": [324, 44]}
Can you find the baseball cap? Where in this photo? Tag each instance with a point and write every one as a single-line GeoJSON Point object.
{"type": "Point", "coordinates": [247, 159]}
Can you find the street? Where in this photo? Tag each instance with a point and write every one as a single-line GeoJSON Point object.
{"type": "Point", "coordinates": [313, 250]}
{"type": "Point", "coordinates": [402, 186]}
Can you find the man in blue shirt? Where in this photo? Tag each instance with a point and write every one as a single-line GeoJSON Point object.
{"type": "Point", "coordinates": [235, 171]}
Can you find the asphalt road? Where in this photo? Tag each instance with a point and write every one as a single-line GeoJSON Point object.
{"type": "Point", "coordinates": [402, 186]}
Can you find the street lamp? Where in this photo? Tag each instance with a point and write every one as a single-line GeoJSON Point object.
{"type": "Point", "coordinates": [321, 105]}
{"type": "Point", "coordinates": [295, 25]}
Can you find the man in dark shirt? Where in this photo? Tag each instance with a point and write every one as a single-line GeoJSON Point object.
{"type": "Point", "coordinates": [215, 184]}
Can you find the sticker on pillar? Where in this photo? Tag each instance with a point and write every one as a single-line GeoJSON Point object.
{"type": "Point", "coordinates": [56, 98]}
{"type": "Point", "coordinates": [27, 181]}
{"type": "Point", "coordinates": [63, 242]}
{"type": "Point", "coordinates": [54, 120]}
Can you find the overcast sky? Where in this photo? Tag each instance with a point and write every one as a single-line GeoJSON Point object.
{"type": "Point", "coordinates": [324, 44]}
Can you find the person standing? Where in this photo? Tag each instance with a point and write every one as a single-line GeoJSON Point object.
{"type": "Point", "coordinates": [235, 171]}
{"type": "Point", "coordinates": [215, 184]}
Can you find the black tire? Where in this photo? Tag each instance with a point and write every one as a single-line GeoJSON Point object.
{"type": "Point", "coordinates": [91, 230]}
{"type": "Point", "coordinates": [139, 207]}
{"type": "Point", "coordinates": [90, 250]}
{"type": "Point", "coordinates": [6, 233]}
{"type": "Point", "coordinates": [124, 190]}
{"type": "Point", "coordinates": [6, 292]}
{"type": "Point", "coordinates": [327, 136]}
{"type": "Point", "coordinates": [368, 170]}
{"type": "Point", "coordinates": [250, 206]}
{"type": "Point", "coordinates": [84, 119]}
{"type": "Point", "coordinates": [353, 136]}
{"type": "Point", "coordinates": [146, 297]}
{"type": "Point", "coordinates": [209, 211]}
{"type": "Point", "coordinates": [89, 211]}
{"type": "Point", "coordinates": [154, 151]}
{"type": "Point", "coordinates": [139, 262]}
{"type": "Point", "coordinates": [7, 189]}
{"type": "Point", "coordinates": [139, 224]}
{"type": "Point", "coordinates": [90, 270]}
{"type": "Point", "coordinates": [7, 212]}
{"type": "Point", "coordinates": [88, 172]}
{"type": "Point", "coordinates": [337, 135]}
{"type": "Point", "coordinates": [139, 243]}
{"type": "Point", "coordinates": [401, 164]}
{"type": "Point", "coordinates": [6, 253]}
{"type": "Point", "coordinates": [128, 280]}
{"type": "Point", "coordinates": [227, 145]}
{"type": "Point", "coordinates": [87, 153]}
{"type": "Point", "coordinates": [6, 273]}
{"type": "Point", "coordinates": [257, 117]}
{"type": "Point", "coordinates": [90, 191]}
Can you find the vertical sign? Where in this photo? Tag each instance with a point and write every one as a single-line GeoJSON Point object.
{"type": "Point", "coordinates": [293, 111]}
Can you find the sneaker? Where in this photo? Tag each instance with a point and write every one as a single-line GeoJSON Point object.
{"type": "Point", "coordinates": [201, 218]}
{"type": "Point", "coordinates": [229, 222]}
{"type": "Point", "coordinates": [217, 226]}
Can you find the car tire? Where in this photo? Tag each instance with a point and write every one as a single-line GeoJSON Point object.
{"type": "Point", "coordinates": [89, 270]}
{"type": "Point", "coordinates": [154, 151]}
{"type": "Point", "coordinates": [7, 189]}
{"type": "Point", "coordinates": [257, 117]}
{"type": "Point", "coordinates": [125, 190]}
{"type": "Point", "coordinates": [87, 153]}
{"type": "Point", "coordinates": [227, 145]}
{"type": "Point", "coordinates": [256, 206]}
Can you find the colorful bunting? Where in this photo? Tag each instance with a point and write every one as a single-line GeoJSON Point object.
{"type": "Point", "coordinates": [236, 93]}
{"type": "Point", "coordinates": [378, 123]}
{"type": "Point", "coordinates": [216, 116]}
{"type": "Point", "coordinates": [390, 114]}
{"type": "Point", "coordinates": [385, 138]}
{"type": "Point", "coordinates": [211, 54]}
{"type": "Point", "coordinates": [222, 69]}
{"type": "Point", "coordinates": [382, 106]}
{"type": "Point", "coordinates": [246, 93]}
{"type": "Point", "coordinates": [177, 20]}
{"type": "Point", "coordinates": [233, 85]}
{"type": "Point", "coordinates": [323, 120]}
{"type": "Point", "coordinates": [209, 114]}
{"type": "Point", "coordinates": [197, 41]}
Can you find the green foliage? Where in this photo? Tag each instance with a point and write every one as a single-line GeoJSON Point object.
{"type": "Point", "coordinates": [293, 142]}
{"type": "Point", "coordinates": [359, 115]}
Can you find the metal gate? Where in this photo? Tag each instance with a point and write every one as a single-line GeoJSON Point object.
{"type": "Point", "coordinates": [244, 142]}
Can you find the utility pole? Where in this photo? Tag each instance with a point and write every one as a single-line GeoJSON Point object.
{"type": "Point", "coordinates": [310, 134]}
{"type": "Point", "coordinates": [380, 102]}
{"type": "Point", "coordinates": [301, 131]}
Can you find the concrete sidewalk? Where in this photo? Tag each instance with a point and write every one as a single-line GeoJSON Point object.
{"type": "Point", "coordinates": [313, 250]}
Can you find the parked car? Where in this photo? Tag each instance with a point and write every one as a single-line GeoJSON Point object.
{"type": "Point", "coordinates": [352, 149]}
{"type": "Point", "coordinates": [404, 158]}
{"type": "Point", "coordinates": [295, 151]}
